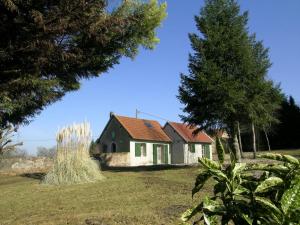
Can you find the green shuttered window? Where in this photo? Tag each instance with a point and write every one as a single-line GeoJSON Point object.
{"type": "Point", "coordinates": [154, 154]}
{"type": "Point", "coordinates": [166, 154]}
{"type": "Point", "coordinates": [140, 150]}
{"type": "Point", "coordinates": [137, 150]}
{"type": "Point", "coordinates": [206, 151]}
{"type": "Point", "coordinates": [192, 148]}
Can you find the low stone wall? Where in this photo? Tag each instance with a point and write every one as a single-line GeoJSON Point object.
{"type": "Point", "coordinates": [115, 159]}
{"type": "Point", "coordinates": [31, 164]}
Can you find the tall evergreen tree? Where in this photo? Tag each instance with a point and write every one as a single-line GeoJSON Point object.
{"type": "Point", "coordinates": [263, 96]}
{"type": "Point", "coordinates": [48, 47]}
{"type": "Point", "coordinates": [214, 92]}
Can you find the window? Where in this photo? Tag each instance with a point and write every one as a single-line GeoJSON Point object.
{"type": "Point", "coordinates": [205, 151]}
{"type": "Point", "coordinates": [140, 150]}
{"type": "Point", "coordinates": [192, 148]}
{"type": "Point", "coordinates": [113, 147]}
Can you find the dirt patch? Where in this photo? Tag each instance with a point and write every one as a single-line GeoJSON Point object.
{"type": "Point", "coordinates": [174, 210]}
{"type": "Point", "coordinates": [114, 219]}
{"type": "Point", "coordinates": [171, 185]}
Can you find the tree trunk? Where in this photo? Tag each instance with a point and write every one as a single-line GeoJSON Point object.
{"type": "Point", "coordinates": [236, 147]}
{"type": "Point", "coordinates": [254, 141]}
{"type": "Point", "coordinates": [240, 140]}
{"type": "Point", "coordinates": [267, 138]}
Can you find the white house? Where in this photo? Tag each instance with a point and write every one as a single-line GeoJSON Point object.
{"type": "Point", "coordinates": [186, 147]}
{"type": "Point", "coordinates": [127, 141]}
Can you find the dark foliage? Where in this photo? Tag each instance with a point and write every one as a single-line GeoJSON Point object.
{"type": "Point", "coordinates": [47, 47]}
{"type": "Point", "coordinates": [286, 134]}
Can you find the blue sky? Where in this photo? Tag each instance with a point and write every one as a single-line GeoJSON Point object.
{"type": "Point", "coordinates": [150, 82]}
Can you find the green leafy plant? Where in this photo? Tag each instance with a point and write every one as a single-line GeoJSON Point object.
{"type": "Point", "coordinates": [249, 194]}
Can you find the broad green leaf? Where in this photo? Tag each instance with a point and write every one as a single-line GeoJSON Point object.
{"type": "Point", "coordinates": [200, 181]}
{"type": "Point", "coordinates": [220, 187]}
{"type": "Point", "coordinates": [241, 190]}
{"type": "Point", "coordinates": [247, 219]}
{"type": "Point", "coordinates": [219, 174]}
{"type": "Point", "coordinates": [239, 167]}
{"type": "Point", "coordinates": [209, 219]}
{"type": "Point", "coordinates": [213, 206]}
{"type": "Point", "coordinates": [273, 156]}
{"type": "Point", "coordinates": [188, 214]}
{"type": "Point", "coordinates": [291, 159]}
{"type": "Point", "coordinates": [213, 167]}
{"type": "Point", "coordinates": [279, 157]}
{"type": "Point", "coordinates": [266, 203]}
{"type": "Point", "coordinates": [270, 168]}
{"type": "Point", "coordinates": [290, 200]}
{"type": "Point", "coordinates": [210, 164]}
{"type": "Point", "coordinates": [268, 184]}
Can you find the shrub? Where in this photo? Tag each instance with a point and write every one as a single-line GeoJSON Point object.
{"type": "Point", "coordinates": [46, 152]}
{"type": "Point", "coordinates": [72, 163]}
{"type": "Point", "coordinates": [249, 194]}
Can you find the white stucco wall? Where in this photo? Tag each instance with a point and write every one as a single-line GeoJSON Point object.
{"type": "Point", "coordinates": [190, 157]}
{"type": "Point", "coordinates": [148, 160]}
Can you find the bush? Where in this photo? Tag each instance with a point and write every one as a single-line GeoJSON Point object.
{"type": "Point", "coordinates": [249, 194]}
{"type": "Point", "coordinates": [17, 153]}
{"type": "Point", "coordinates": [46, 152]}
{"type": "Point", "coordinates": [72, 163]}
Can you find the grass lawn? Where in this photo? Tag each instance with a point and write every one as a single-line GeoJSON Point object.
{"type": "Point", "coordinates": [137, 197]}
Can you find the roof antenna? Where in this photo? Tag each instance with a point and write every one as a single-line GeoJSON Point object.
{"type": "Point", "coordinates": [136, 113]}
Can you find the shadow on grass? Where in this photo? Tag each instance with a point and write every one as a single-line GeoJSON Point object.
{"type": "Point", "coordinates": [37, 176]}
{"type": "Point", "coordinates": [144, 168]}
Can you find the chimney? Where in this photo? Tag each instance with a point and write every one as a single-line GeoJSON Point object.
{"type": "Point", "coordinates": [111, 114]}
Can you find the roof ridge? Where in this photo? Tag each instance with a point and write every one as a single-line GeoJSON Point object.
{"type": "Point", "coordinates": [135, 118]}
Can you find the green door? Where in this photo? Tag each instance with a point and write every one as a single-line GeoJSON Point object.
{"type": "Point", "coordinates": [206, 151]}
{"type": "Point", "coordinates": [154, 154]}
{"type": "Point", "coordinates": [166, 154]}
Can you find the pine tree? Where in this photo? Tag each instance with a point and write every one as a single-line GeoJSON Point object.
{"type": "Point", "coordinates": [263, 96]}
{"type": "Point", "coordinates": [214, 93]}
{"type": "Point", "coordinates": [48, 47]}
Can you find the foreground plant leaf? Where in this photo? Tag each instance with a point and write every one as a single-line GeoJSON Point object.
{"type": "Point", "coordinates": [279, 157]}
{"type": "Point", "coordinates": [200, 181]}
{"type": "Point", "coordinates": [290, 201]}
{"type": "Point", "coordinates": [268, 184]}
{"type": "Point", "coordinates": [188, 214]}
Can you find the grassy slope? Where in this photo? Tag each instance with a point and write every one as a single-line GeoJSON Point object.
{"type": "Point", "coordinates": [149, 197]}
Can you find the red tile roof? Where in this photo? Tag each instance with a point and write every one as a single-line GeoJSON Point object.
{"type": "Point", "coordinates": [186, 132]}
{"type": "Point", "coordinates": [140, 129]}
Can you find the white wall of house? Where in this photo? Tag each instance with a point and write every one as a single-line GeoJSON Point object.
{"type": "Point", "coordinates": [148, 159]}
{"type": "Point", "coordinates": [192, 157]}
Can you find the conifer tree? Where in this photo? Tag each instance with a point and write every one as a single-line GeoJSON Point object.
{"type": "Point", "coordinates": [263, 96]}
{"type": "Point", "coordinates": [48, 47]}
{"type": "Point", "coordinates": [214, 92]}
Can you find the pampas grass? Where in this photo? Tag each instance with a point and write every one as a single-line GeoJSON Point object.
{"type": "Point", "coordinates": [73, 164]}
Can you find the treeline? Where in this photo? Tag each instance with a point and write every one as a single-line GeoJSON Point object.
{"type": "Point", "coordinates": [285, 134]}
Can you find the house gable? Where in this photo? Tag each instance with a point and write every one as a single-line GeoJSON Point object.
{"type": "Point", "coordinates": [144, 130]}
{"type": "Point", "coordinates": [114, 133]}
